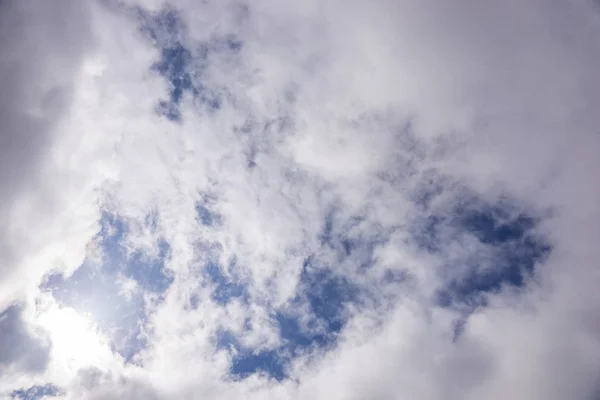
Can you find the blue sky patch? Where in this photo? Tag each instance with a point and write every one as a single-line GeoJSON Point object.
{"type": "Point", "coordinates": [266, 361]}
{"type": "Point", "coordinates": [182, 63]}
{"type": "Point", "coordinates": [205, 213]}
{"type": "Point", "coordinates": [150, 273]}
{"type": "Point", "coordinates": [246, 362]}
{"type": "Point", "coordinates": [225, 287]}
{"type": "Point", "coordinates": [174, 66]}
{"type": "Point", "coordinates": [36, 392]}
{"type": "Point", "coordinates": [509, 243]}
{"type": "Point", "coordinates": [325, 296]}
{"type": "Point", "coordinates": [349, 240]}
{"type": "Point", "coordinates": [95, 289]}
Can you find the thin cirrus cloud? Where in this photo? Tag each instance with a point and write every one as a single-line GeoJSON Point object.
{"type": "Point", "coordinates": [315, 200]}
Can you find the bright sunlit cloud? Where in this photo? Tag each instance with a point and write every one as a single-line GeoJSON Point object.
{"type": "Point", "coordinates": [287, 200]}
{"type": "Point", "coordinates": [76, 342]}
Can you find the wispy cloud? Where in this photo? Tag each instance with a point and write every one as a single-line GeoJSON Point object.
{"type": "Point", "coordinates": [299, 200]}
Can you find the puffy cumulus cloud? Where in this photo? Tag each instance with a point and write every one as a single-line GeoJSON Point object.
{"type": "Point", "coordinates": [302, 200]}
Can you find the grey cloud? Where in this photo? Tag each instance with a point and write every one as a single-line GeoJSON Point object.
{"type": "Point", "coordinates": [20, 347]}
{"type": "Point", "coordinates": [513, 83]}
{"type": "Point", "coordinates": [41, 46]}
{"type": "Point", "coordinates": [510, 84]}
{"type": "Point", "coordinates": [93, 384]}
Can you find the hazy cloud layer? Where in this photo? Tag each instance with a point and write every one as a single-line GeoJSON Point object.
{"type": "Point", "coordinates": [312, 200]}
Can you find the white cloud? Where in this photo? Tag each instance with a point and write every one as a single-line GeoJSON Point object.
{"type": "Point", "coordinates": [338, 125]}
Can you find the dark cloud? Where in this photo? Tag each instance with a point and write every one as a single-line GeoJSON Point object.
{"type": "Point", "coordinates": [20, 347]}
{"type": "Point", "coordinates": [41, 47]}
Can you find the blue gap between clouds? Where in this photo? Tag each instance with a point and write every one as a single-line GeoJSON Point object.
{"type": "Point", "coordinates": [225, 285]}
{"type": "Point", "coordinates": [36, 392]}
{"type": "Point", "coordinates": [511, 241]}
{"type": "Point", "coordinates": [246, 362]}
{"type": "Point", "coordinates": [326, 297]}
{"type": "Point", "coordinates": [181, 66]}
{"type": "Point", "coordinates": [205, 213]}
{"type": "Point", "coordinates": [93, 289]}
{"type": "Point", "coordinates": [320, 291]}
{"type": "Point", "coordinates": [342, 238]}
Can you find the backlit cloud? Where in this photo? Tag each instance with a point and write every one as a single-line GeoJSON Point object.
{"type": "Point", "coordinates": [310, 200]}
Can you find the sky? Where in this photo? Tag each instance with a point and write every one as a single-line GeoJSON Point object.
{"type": "Point", "coordinates": [299, 199]}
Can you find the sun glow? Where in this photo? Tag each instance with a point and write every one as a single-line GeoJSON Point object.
{"type": "Point", "coordinates": [76, 342]}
